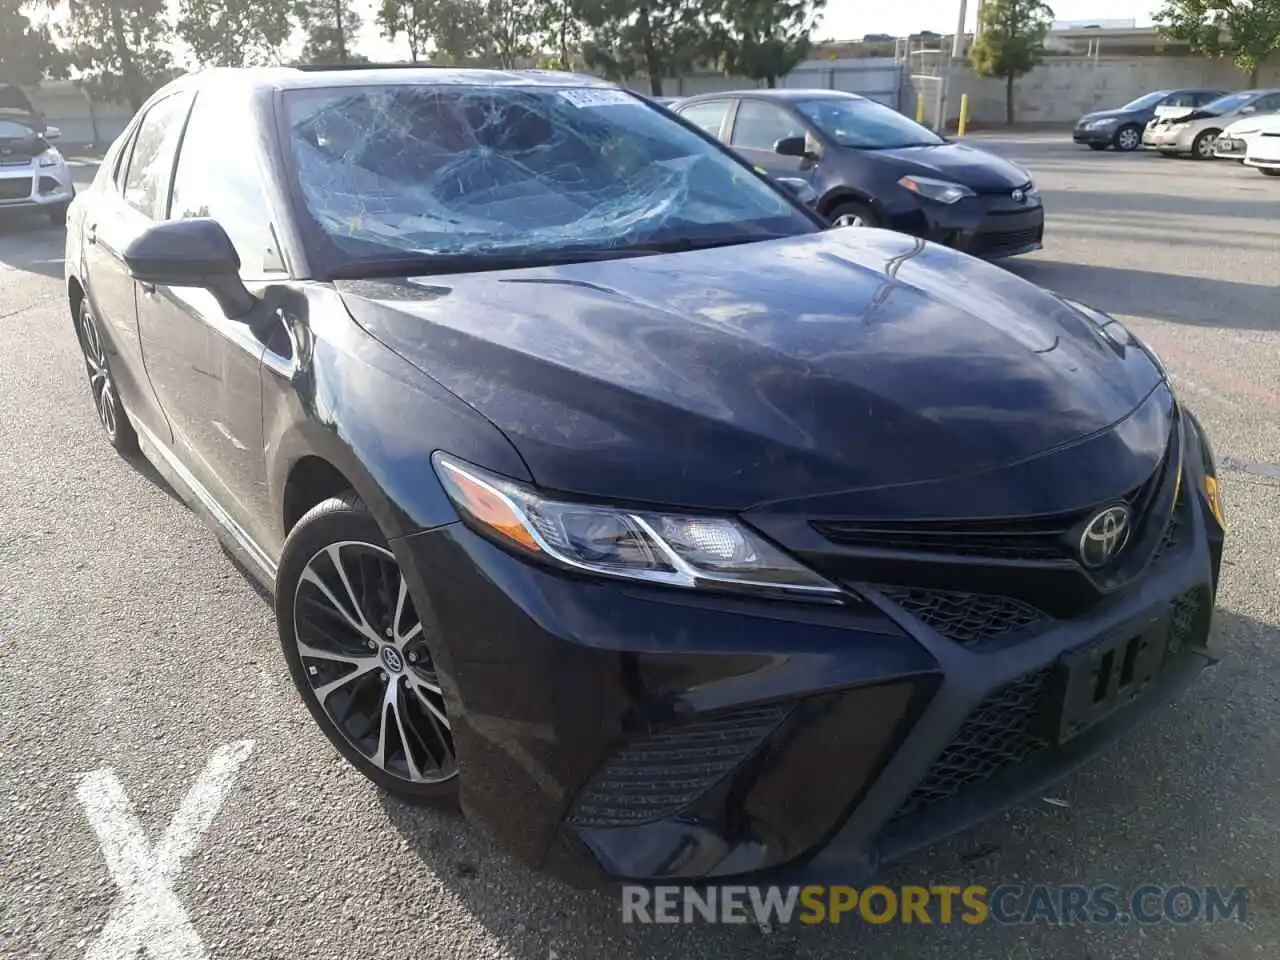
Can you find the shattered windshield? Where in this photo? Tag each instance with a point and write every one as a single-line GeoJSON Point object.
{"type": "Point", "coordinates": [494, 173]}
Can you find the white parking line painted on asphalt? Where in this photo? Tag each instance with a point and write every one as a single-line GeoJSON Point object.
{"type": "Point", "coordinates": [148, 913]}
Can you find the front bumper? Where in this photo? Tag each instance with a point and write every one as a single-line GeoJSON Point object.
{"type": "Point", "coordinates": [1103, 136]}
{"type": "Point", "coordinates": [34, 187]}
{"type": "Point", "coordinates": [1166, 139]}
{"type": "Point", "coordinates": [992, 226]}
{"type": "Point", "coordinates": [1230, 148]}
{"type": "Point", "coordinates": [1264, 152]}
{"type": "Point", "coordinates": [609, 732]}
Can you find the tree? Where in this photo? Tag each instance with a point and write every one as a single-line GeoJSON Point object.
{"type": "Point", "coordinates": [763, 39]}
{"type": "Point", "coordinates": [27, 52]}
{"type": "Point", "coordinates": [652, 38]}
{"type": "Point", "coordinates": [1247, 33]}
{"type": "Point", "coordinates": [560, 32]}
{"type": "Point", "coordinates": [416, 20]}
{"type": "Point", "coordinates": [120, 48]}
{"type": "Point", "coordinates": [1010, 43]}
{"type": "Point", "coordinates": [233, 33]}
{"type": "Point", "coordinates": [331, 28]}
{"type": "Point", "coordinates": [506, 31]}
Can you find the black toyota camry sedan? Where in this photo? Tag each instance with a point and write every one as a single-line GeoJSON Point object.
{"type": "Point", "coordinates": [868, 165]}
{"type": "Point", "coordinates": [608, 493]}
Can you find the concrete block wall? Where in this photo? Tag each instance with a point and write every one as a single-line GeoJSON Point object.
{"type": "Point", "coordinates": [1061, 89]}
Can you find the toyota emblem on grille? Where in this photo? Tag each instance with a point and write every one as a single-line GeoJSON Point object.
{"type": "Point", "coordinates": [1104, 536]}
{"type": "Point", "coordinates": [1018, 196]}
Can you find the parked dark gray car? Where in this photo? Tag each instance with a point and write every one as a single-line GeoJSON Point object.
{"type": "Point", "coordinates": [1122, 128]}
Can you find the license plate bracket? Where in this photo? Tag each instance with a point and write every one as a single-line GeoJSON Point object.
{"type": "Point", "coordinates": [1107, 675]}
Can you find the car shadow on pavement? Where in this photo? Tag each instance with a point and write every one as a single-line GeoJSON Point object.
{"type": "Point", "coordinates": [1169, 803]}
{"type": "Point", "coordinates": [1117, 203]}
{"type": "Point", "coordinates": [1159, 296]}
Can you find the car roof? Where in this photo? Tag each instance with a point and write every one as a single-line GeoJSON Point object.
{"type": "Point", "coordinates": [355, 75]}
{"type": "Point", "coordinates": [788, 94]}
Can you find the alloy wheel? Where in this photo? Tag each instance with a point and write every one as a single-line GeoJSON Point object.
{"type": "Point", "coordinates": [1205, 146]}
{"type": "Point", "coordinates": [95, 361]}
{"type": "Point", "coordinates": [367, 665]}
{"type": "Point", "coordinates": [848, 220]}
{"type": "Point", "coordinates": [1127, 139]}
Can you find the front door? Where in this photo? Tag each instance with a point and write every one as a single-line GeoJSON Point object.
{"type": "Point", "coordinates": [757, 126]}
{"type": "Point", "coordinates": [206, 366]}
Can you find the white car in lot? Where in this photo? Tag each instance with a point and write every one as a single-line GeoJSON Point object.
{"type": "Point", "coordinates": [1264, 148]}
{"type": "Point", "coordinates": [33, 174]}
{"type": "Point", "coordinates": [1233, 143]}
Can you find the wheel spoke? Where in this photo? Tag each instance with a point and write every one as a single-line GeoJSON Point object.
{"type": "Point", "coordinates": [335, 556]}
{"type": "Point", "coordinates": [324, 691]}
{"type": "Point", "coordinates": [394, 695]}
{"type": "Point", "coordinates": [397, 618]}
{"type": "Point", "coordinates": [436, 713]}
{"type": "Point", "coordinates": [337, 656]}
{"type": "Point", "coordinates": [310, 576]}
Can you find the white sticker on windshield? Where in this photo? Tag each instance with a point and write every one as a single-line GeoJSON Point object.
{"type": "Point", "coordinates": [597, 98]}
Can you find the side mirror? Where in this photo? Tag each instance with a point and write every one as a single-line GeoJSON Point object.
{"type": "Point", "coordinates": [795, 146]}
{"type": "Point", "coordinates": [52, 133]}
{"type": "Point", "coordinates": [191, 253]}
{"type": "Point", "coordinates": [798, 188]}
{"type": "Point", "coordinates": [1250, 108]}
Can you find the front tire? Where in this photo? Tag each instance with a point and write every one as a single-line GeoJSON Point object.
{"type": "Point", "coordinates": [1202, 146]}
{"type": "Point", "coordinates": [1127, 139]}
{"type": "Point", "coordinates": [360, 656]}
{"type": "Point", "coordinates": [58, 214]}
{"type": "Point", "coordinates": [852, 213]}
{"type": "Point", "coordinates": [1269, 172]}
{"type": "Point", "coordinates": [106, 398]}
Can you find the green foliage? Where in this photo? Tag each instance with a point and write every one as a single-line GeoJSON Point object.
{"type": "Point", "coordinates": [559, 34]}
{"type": "Point", "coordinates": [331, 27]}
{"type": "Point", "coordinates": [1247, 33]}
{"type": "Point", "coordinates": [1011, 42]}
{"type": "Point", "coordinates": [650, 38]}
{"type": "Point", "coordinates": [119, 48]}
{"type": "Point", "coordinates": [27, 51]}
{"type": "Point", "coordinates": [415, 20]}
{"type": "Point", "coordinates": [233, 33]}
{"type": "Point", "coordinates": [763, 39]}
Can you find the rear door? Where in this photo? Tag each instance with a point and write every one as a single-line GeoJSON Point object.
{"type": "Point", "coordinates": [128, 202]}
{"type": "Point", "coordinates": [205, 366]}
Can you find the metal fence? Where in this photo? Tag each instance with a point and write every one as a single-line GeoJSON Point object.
{"type": "Point", "coordinates": [878, 79]}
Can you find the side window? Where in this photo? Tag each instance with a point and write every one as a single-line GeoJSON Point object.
{"type": "Point", "coordinates": [120, 158]}
{"type": "Point", "coordinates": [1269, 103]}
{"type": "Point", "coordinates": [150, 163]}
{"type": "Point", "coordinates": [708, 116]}
{"type": "Point", "coordinates": [1205, 96]}
{"type": "Point", "coordinates": [1184, 99]}
{"type": "Point", "coordinates": [225, 184]}
{"type": "Point", "coordinates": [760, 125]}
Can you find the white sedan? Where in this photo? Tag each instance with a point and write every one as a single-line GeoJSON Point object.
{"type": "Point", "coordinates": [1233, 142]}
{"type": "Point", "coordinates": [1263, 150]}
{"type": "Point", "coordinates": [33, 174]}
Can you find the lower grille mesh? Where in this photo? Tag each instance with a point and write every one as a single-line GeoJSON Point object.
{"type": "Point", "coordinates": [1002, 731]}
{"type": "Point", "coordinates": [972, 619]}
{"type": "Point", "coordinates": [657, 775]}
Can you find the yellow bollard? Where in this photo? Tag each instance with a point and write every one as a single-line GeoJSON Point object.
{"type": "Point", "coordinates": [964, 114]}
{"type": "Point", "coordinates": [920, 107]}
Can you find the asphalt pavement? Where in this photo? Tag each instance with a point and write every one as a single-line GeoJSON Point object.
{"type": "Point", "coordinates": [161, 783]}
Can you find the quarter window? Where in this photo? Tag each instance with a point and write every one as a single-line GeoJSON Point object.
{"type": "Point", "coordinates": [224, 183]}
{"type": "Point", "coordinates": [759, 126]}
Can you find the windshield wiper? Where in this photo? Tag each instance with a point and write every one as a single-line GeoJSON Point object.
{"type": "Point", "coordinates": [421, 265]}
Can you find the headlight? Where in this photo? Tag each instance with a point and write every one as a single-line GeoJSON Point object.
{"type": "Point", "coordinates": [671, 549]}
{"type": "Point", "coordinates": [50, 158]}
{"type": "Point", "coordinates": [1099, 124]}
{"type": "Point", "coordinates": [940, 190]}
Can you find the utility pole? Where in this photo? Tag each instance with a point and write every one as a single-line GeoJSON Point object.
{"type": "Point", "coordinates": [957, 51]}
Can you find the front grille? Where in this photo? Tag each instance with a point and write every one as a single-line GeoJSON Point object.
{"type": "Point", "coordinates": [659, 774]}
{"type": "Point", "coordinates": [1003, 731]}
{"type": "Point", "coordinates": [15, 189]}
{"type": "Point", "coordinates": [1032, 538]}
{"type": "Point", "coordinates": [972, 619]}
{"type": "Point", "coordinates": [1006, 240]}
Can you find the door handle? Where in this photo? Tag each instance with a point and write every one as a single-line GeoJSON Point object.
{"type": "Point", "coordinates": [91, 235]}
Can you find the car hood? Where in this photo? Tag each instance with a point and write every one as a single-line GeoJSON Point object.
{"type": "Point", "coordinates": [1264, 123]}
{"type": "Point", "coordinates": [957, 162]}
{"type": "Point", "coordinates": [734, 376]}
{"type": "Point", "coordinates": [1109, 115]}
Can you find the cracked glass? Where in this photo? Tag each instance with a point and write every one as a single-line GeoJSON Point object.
{"type": "Point", "coordinates": [487, 174]}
